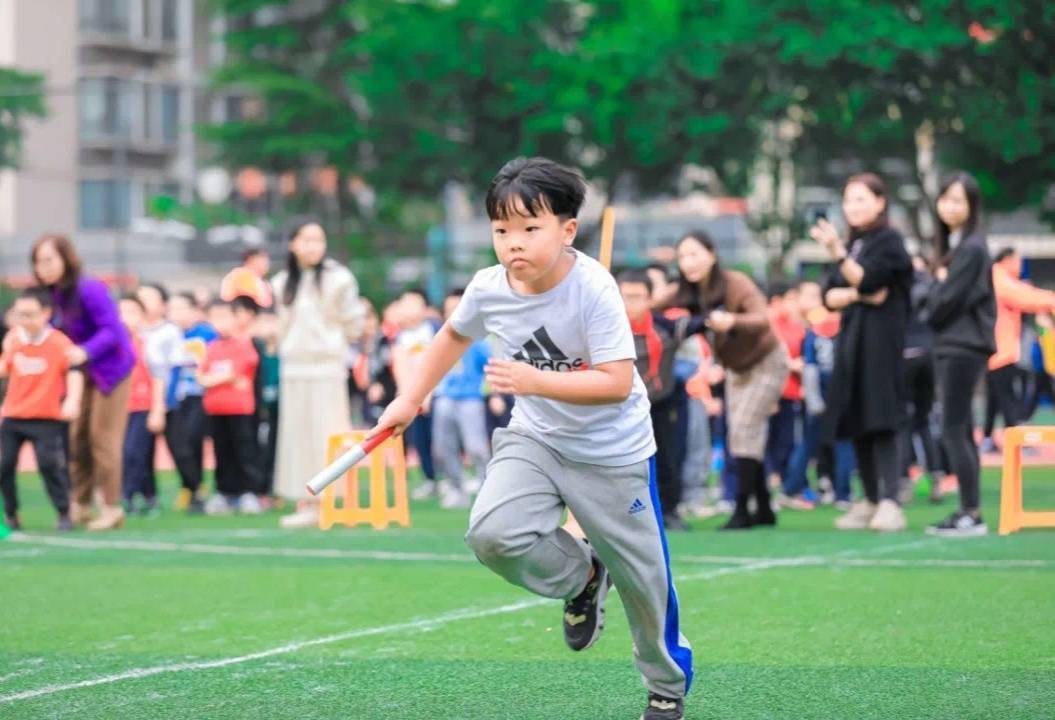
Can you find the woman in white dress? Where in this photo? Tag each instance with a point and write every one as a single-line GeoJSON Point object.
{"type": "Point", "coordinates": [319, 314]}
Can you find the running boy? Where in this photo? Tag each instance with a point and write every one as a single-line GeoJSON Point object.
{"type": "Point", "coordinates": [43, 395]}
{"type": "Point", "coordinates": [580, 437]}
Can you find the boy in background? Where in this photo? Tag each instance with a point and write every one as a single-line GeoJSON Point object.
{"type": "Point", "coordinates": [265, 331]}
{"type": "Point", "coordinates": [459, 418]}
{"type": "Point", "coordinates": [43, 395]}
{"type": "Point", "coordinates": [785, 318]}
{"type": "Point", "coordinates": [227, 375]}
{"type": "Point", "coordinates": [415, 334]}
{"type": "Point", "coordinates": [146, 414]}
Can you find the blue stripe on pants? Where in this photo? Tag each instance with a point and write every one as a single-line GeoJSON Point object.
{"type": "Point", "coordinates": [681, 655]}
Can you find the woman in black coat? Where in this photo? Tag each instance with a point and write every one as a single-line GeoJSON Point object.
{"type": "Point", "coordinates": [962, 309]}
{"type": "Point", "coordinates": [870, 284]}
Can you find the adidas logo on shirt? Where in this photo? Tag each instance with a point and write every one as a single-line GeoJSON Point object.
{"type": "Point", "coordinates": [636, 507]}
{"type": "Point", "coordinates": [544, 354]}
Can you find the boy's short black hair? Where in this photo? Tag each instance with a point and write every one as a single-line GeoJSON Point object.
{"type": "Point", "coordinates": [536, 185]}
{"type": "Point", "coordinates": [220, 303]}
{"type": "Point", "coordinates": [638, 276]}
{"type": "Point", "coordinates": [1004, 254]}
{"type": "Point", "coordinates": [132, 298]}
{"type": "Point", "coordinates": [40, 294]}
{"type": "Point", "coordinates": [189, 297]}
{"type": "Point", "coordinates": [660, 268]}
{"type": "Point", "coordinates": [457, 292]}
{"type": "Point", "coordinates": [161, 289]}
{"type": "Point", "coordinates": [245, 303]}
{"type": "Point", "coordinates": [252, 252]}
{"type": "Point", "coordinates": [778, 288]}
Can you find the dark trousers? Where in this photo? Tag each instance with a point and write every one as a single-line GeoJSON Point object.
{"type": "Point", "coordinates": [1040, 386]}
{"type": "Point", "coordinates": [185, 430]}
{"type": "Point", "coordinates": [668, 472]}
{"type": "Point", "coordinates": [877, 462]}
{"type": "Point", "coordinates": [839, 466]}
{"type": "Point", "coordinates": [266, 433]}
{"type": "Point", "coordinates": [782, 434]}
{"type": "Point", "coordinates": [137, 467]}
{"type": "Point", "coordinates": [1002, 397]}
{"type": "Point", "coordinates": [957, 378]}
{"type": "Point", "coordinates": [919, 385]}
{"type": "Point", "coordinates": [238, 467]}
{"type": "Point", "coordinates": [49, 439]}
{"type": "Point", "coordinates": [420, 433]}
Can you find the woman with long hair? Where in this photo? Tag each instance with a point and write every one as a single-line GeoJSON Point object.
{"type": "Point", "coordinates": [755, 361]}
{"type": "Point", "coordinates": [319, 314]}
{"type": "Point", "coordinates": [962, 309]}
{"type": "Point", "coordinates": [87, 314]}
{"type": "Point", "coordinates": [870, 284]}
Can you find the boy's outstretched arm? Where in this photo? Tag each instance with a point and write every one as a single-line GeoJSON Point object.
{"type": "Point", "coordinates": [605, 384]}
{"type": "Point", "coordinates": [444, 351]}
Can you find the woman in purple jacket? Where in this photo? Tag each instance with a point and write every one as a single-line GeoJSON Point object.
{"type": "Point", "coordinates": [86, 313]}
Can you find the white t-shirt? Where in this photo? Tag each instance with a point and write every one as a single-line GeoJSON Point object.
{"type": "Point", "coordinates": [578, 324]}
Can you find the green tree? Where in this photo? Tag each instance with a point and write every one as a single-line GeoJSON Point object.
{"type": "Point", "coordinates": [21, 96]}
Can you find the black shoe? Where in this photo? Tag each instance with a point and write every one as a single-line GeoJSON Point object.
{"type": "Point", "coordinates": [584, 613]}
{"type": "Point", "coordinates": [765, 516]}
{"type": "Point", "coordinates": [738, 522]}
{"type": "Point", "coordinates": [663, 708]}
{"type": "Point", "coordinates": [64, 524]}
{"type": "Point", "coordinates": [674, 523]}
{"type": "Point", "coordinates": [195, 507]}
{"type": "Point", "coordinates": [12, 523]}
{"type": "Point", "coordinates": [959, 524]}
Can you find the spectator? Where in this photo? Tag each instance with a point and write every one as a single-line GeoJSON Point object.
{"type": "Point", "coordinates": [163, 346]}
{"type": "Point", "coordinates": [87, 314]}
{"type": "Point", "coordinates": [415, 335]}
{"type": "Point", "coordinates": [246, 313]}
{"type": "Point", "coordinates": [818, 355]}
{"type": "Point", "coordinates": [228, 375]}
{"type": "Point", "coordinates": [657, 338]}
{"type": "Point", "coordinates": [460, 418]}
{"type": "Point", "coordinates": [268, 386]}
{"type": "Point", "coordinates": [375, 372]}
{"type": "Point", "coordinates": [963, 314]}
{"type": "Point", "coordinates": [870, 284]}
{"type": "Point", "coordinates": [1013, 297]}
{"type": "Point", "coordinates": [756, 364]}
{"type": "Point", "coordinates": [44, 394]}
{"type": "Point", "coordinates": [318, 315]}
{"type": "Point", "coordinates": [785, 318]}
{"type": "Point", "coordinates": [146, 415]}
{"type": "Point", "coordinates": [187, 424]}
{"type": "Point", "coordinates": [249, 279]}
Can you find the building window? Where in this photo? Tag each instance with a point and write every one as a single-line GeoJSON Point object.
{"type": "Point", "coordinates": [108, 16]}
{"type": "Point", "coordinates": [105, 107]}
{"type": "Point", "coordinates": [150, 112]}
{"type": "Point", "coordinates": [105, 204]}
{"type": "Point", "coordinates": [169, 20]}
{"type": "Point", "coordinates": [170, 120]}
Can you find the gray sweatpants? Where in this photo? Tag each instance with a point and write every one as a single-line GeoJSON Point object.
{"type": "Point", "coordinates": [514, 529]}
{"type": "Point", "coordinates": [458, 425]}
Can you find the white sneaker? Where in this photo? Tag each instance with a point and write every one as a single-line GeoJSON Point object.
{"type": "Point", "coordinates": [249, 504]}
{"type": "Point", "coordinates": [724, 507]}
{"type": "Point", "coordinates": [425, 491]}
{"type": "Point", "coordinates": [700, 510]}
{"type": "Point", "coordinates": [889, 517]}
{"type": "Point", "coordinates": [218, 505]}
{"type": "Point", "coordinates": [842, 505]}
{"type": "Point", "coordinates": [455, 499]}
{"type": "Point", "coordinates": [858, 517]}
{"type": "Point", "coordinates": [304, 518]}
{"type": "Point", "coordinates": [472, 485]}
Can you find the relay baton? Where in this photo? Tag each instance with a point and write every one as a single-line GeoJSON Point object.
{"type": "Point", "coordinates": [346, 462]}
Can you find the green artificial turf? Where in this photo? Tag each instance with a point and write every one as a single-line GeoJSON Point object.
{"type": "Point", "coordinates": [795, 622]}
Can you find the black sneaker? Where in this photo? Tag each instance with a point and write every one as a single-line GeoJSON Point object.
{"type": "Point", "coordinates": [584, 613]}
{"type": "Point", "coordinates": [195, 507]}
{"type": "Point", "coordinates": [13, 523]}
{"type": "Point", "coordinates": [738, 522]}
{"type": "Point", "coordinates": [764, 517]}
{"type": "Point", "coordinates": [960, 524]}
{"type": "Point", "coordinates": [64, 524]}
{"type": "Point", "coordinates": [663, 708]}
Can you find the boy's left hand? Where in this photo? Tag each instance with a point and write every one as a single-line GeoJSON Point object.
{"type": "Point", "coordinates": [512, 377]}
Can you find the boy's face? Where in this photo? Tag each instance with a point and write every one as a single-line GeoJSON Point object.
{"type": "Point", "coordinates": [792, 303]}
{"type": "Point", "coordinates": [151, 299]}
{"type": "Point", "coordinates": [412, 307]}
{"type": "Point", "coordinates": [131, 314]}
{"type": "Point", "coordinates": [243, 320]}
{"type": "Point", "coordinates": [529, 247]}
{"type": "Point", "coordinates": [221, 317]}
{"type": "Point", "coordinates": [809, 297]}
{"type": "Point", "coordinates": [30, 315]}
{"type": "Point", "coordinates": [182, 313]}
{"type": "Point", "coordinates": [636, 298]}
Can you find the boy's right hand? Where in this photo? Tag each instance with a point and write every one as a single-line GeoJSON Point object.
{"type": "Point", "coordinates": [400, 413]}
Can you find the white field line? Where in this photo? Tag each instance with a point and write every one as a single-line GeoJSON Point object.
{"type": "Point", "coordinates": [210, 549]}
{"type": "Point", "coordinates": [426, 624]}
{"type": "Point", "coordinates": [28, 552]}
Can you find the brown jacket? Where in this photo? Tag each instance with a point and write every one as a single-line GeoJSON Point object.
{"type": "Point", "coordinates": [751, 337]}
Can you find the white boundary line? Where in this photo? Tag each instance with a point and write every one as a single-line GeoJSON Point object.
{"type": "Point", "coordinates": [429, 623]}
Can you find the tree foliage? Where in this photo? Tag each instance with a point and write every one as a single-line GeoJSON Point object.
{"type": "Point", "coordinates": [21, 96]}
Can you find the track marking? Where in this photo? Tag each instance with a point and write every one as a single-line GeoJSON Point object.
{"type": "Point", "coordinates": [429, 623]}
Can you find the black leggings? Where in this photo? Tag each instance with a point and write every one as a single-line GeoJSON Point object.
{"type": "Point", "coordinates": [957, 378]}
{"type": "Point", "coordinates": [1003, 397]}
{"type": "Point", "coordinates": [668, 470]}
{"type": "Point", "coordinates": [877, 462]}
{"type": "Point", "coordinates": [919, 380]}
